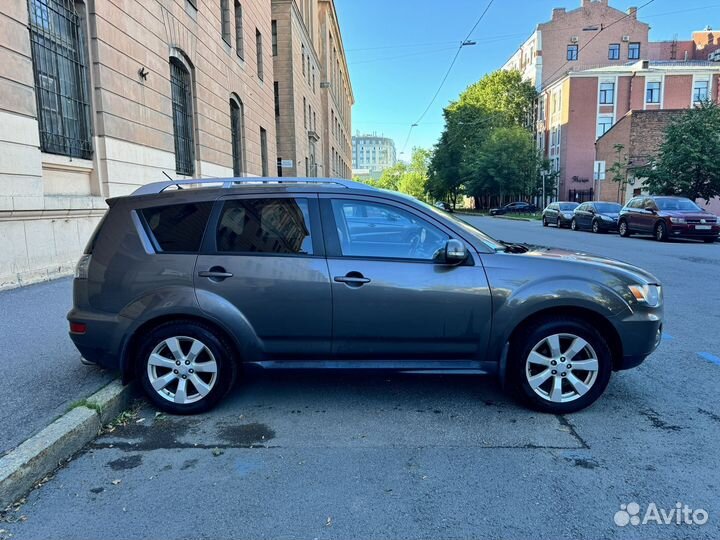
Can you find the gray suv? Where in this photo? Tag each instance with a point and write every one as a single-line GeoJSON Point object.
{"type": "Point", "coordinates": [184, 283]}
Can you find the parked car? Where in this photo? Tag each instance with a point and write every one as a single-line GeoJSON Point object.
{"type": "Point", "coordinates": [559, 213]}
{"type": "Point", "coordinates": [667, 217]}
{"type": "Point", "coordinates": [597, 216]}
{"type": "Point", "coordinates": [514, 208]}
{"type": "Point", "coordinates": [442, 205]}
{"type": "Point", "coordinates": [181, 288]}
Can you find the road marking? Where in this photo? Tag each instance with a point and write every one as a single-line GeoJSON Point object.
{"type": "Point", "coordinates": [709, 357]}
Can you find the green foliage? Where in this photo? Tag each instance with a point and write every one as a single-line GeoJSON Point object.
{"type": "Point", "coordinates": [689, 160]}
{"type": "Point", "coordinates": [409, 178]}
{"type": "Point", "coordinates": [486, 149]}
{"type": "Point", "coordinates": [618, 171]}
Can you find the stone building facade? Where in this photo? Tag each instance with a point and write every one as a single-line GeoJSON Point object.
{"type": "Point", "coordinates": [100, 97]}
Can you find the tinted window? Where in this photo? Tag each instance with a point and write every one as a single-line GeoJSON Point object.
{"type": "Point", "coordinates": [635, 203]}
{"type": "Point", "coordinates": [607, 208]}
{"type": "Point", "coordinates": [568, 206]}
{"type": "Point", "coordinates": [368, 229]}
{"type": "Point", "coordinates": [685, 205]}
{"type": "Point", "coordinates": [279, 226]}
{"type": "Point", "coordinates": [178, 227]}
{"type": "Point", "coordinates": [582, 208]}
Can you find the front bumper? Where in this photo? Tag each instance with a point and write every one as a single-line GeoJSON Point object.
{"type": "Point", "coordinates": [690, 230]}
{"type": "Point", "coordinates": [640, 334]}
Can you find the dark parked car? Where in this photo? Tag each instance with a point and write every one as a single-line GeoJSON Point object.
{"type": "Point", "coordinates": [514, 208]}
{"type": "Point", "coordinates": [667, 217]}
{"type": "Point", "coordinates": [598, 217]}
{"type": "Point", "coordinates": [559, 214]}
{"type": "Point", "coordinates": [181, 288]}
{"type": "Point", "coordinates": [442, 205]}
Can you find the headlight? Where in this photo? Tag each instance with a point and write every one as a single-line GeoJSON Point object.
{"type": "Point", "coordinates": [606, 218]}
{"type": "Point", "coordinates": [677, 220]}
{"type": "Point", "coordinates": [647, 294]}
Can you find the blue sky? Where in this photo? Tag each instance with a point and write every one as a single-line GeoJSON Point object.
{"type": "Point", "coordinates": [398, 51]}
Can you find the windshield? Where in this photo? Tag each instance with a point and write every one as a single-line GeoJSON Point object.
{"type": "Point", "coordinates": [607, 208]}
{"type": "Point", "coordinates": [685, 205]}
{"type": "Point", "coordinates": [569, 206]}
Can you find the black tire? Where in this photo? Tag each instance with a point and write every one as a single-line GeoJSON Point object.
{"type": "Point", "coordinates": [624, 229]}
{"type": "Point", "coordinates": [574, 225]}
{"type": "Point", "coordinates": [709, 240]}
{"type": "Point", "coordinates": [661, 233]}
{"type": "Point", "coordinates": [596, 228]}
{"type": "Point", "coordinates": [524, 342]}
{"type": "Point", "coordinates": [558, 223]}
{"type": "Point", "coordinates": [545, 223]}
{"type": "Point", "coordinates": [221, 352]}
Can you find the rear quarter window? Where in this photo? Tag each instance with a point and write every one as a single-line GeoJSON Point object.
{"type": "Point", "coordinates": [177, 228]}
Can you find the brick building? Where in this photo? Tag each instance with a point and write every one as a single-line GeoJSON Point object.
{"type": "Point", "coordinates": [593, 64]}
{"type": "Point", "coordinates": [581, 107]}
{"type": "Point", "coordinates": [97, 98]}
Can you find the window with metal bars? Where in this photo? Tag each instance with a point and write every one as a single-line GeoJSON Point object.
{"type": "Point", "coordinates": [264, 151]}
{"type": "Point", "coordinates": [181, 86]}
{"type": "Point", "coordinates": [225, 20]}
{"type": "Point", "coordinates": [259, 52]}
{"type": "Point", "coordinates": [239, 43]}
{"type": "Point", "coordinates": [61, 78]}
{"type": "Point", "coordinates": [237, 127]}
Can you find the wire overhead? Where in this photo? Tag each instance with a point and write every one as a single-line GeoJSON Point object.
{"type": "Point", "coordinates": [464, 43]}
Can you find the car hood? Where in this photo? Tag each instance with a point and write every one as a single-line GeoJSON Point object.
{"type": "Point", "coordinates": [613, 215]}
{"type": "Point", "coordinates": [631, 272]}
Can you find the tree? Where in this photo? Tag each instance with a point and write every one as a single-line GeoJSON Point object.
{"type": "Point", "coordinates": [688, 163]}
{"type": "Point", "coordinates": [500, 100]}
{"type": "Point", "coordinates": [619, 169]}
{"type": "Point", "coordinates": [411, 178]}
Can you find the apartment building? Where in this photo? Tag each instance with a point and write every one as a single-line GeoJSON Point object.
{"type": "Point", "coordinates": [98, 98]}
{"type": "Point", "coordinates": [575, 111]}
{"type": "Point", "coordinates": [593, 64]}
{"type": "Point", "coordinates": [372, 154]}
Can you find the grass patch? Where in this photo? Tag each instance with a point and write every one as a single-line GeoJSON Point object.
{"type": "Point", "coordinates": [84, 403]}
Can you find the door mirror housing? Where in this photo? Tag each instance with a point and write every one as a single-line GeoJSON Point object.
{"type": "Point", "coordinates": [455, 251]}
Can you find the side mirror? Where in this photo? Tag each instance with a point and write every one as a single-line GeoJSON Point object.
{"type": "Point", "coordinates": [650, 209]}
{"type": "Point", "coordinates": [455, 251]}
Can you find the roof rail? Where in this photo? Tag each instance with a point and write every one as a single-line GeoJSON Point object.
{"type": "Point", "coordinates": [159, 187]}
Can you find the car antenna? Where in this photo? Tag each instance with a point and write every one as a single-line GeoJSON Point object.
{"type": "Point", "coordinates": [171, 179]}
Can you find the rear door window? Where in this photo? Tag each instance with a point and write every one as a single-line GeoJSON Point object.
{"type": "Point", "coordinates": [275, 226]}
{"type": "Point", "coordinates": [177, 228]}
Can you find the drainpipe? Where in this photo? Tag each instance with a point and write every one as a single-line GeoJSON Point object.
{"type": "Point", "coordinates": [631, 90]}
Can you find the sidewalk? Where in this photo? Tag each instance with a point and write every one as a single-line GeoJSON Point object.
{"type": "Point", "coordinates": [41, 370]}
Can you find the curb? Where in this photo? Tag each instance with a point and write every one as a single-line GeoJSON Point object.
{"type": "Point", "coordinates": [33, 460]}
{"type": "Point", "coordinates": [513, 218]}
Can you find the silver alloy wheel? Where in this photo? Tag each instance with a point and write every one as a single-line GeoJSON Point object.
{"type": "Point", "coordinates": [562, 368]}
{"type": "Point", "coordinates": [573, 225]}
{"type": "Point", "coordinates": [623, 229]}
{"type": "Point", "coordinates": [596, 227]}
{"type": "Point", "coordinates": [182, 369]}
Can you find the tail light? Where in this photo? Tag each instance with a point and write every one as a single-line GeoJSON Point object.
{"type": "Point", "coordinates": [77, 328]}
{"type": "Point", "coordinates": [81, 270]}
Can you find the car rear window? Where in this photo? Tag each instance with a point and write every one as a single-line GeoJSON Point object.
{"type": "Point", "coordinates": [177, 228]}
{"type": "Point", "coordinates": [280, 226]}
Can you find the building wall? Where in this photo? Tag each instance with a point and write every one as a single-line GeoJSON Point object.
{"type": "Point", "coordinates": [564, 25]}
{"type": "Point", "coordinates": [297, 72]}
{"type": "Point", "coordinates": [337, 97]}
{"type": "Point", "coordinates": [49, 204]}
{"type": "Point", "coordinates": [373, 153]}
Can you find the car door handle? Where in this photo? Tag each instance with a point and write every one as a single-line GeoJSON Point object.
{"type": "Point", "coordinates": [215, 274]}
{"type": "Point", "coordinates": [353, 279]}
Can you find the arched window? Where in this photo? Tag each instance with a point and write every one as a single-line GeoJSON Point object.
{"type": "Point", "coordinates": [182, 111]}
{"type": "Point", "coordinates": [237, 129]}
{"type": "Point", "coordinates": [61, 77]}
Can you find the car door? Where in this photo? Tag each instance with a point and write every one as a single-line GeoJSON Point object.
{"type": "Point", "coordinates": [646, 216]}
{"type": "Point", "coordinates": [264, 255]}
{"type": "Point", "coordinates": [631, 214]}
{"type": "Point", "coordinates": [586, 215]}
{"type": "Point", "coordinates": [391, 299]}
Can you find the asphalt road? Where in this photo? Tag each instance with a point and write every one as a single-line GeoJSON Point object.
{"type": "Point", "coordinates": [41, 370]}
{"type": "Point", "coordinates": [400, 456]}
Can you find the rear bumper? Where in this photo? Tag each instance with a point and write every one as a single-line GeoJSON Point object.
{"type": "Point", "coordinates": [99, 343]}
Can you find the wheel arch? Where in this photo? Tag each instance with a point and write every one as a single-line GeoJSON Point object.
{"type": "Point", "coordinates": [128, 366]}
{"type": "Point", "coordinates": [604, 326]}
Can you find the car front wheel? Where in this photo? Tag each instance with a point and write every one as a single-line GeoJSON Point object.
{"type": "Point", "coordinates": [559, 366]}
{"type": "Point", "coordinates": [661, 232]}
{"type": "Point", "coordinates": [623, 229]}
{"type": "Point", "coordinates": [185, 368]}
{"type": "Point", "coordinates": [596, 227]}
{"type": "Point", "coordinates": [544, 220]}
{"type": "Point", "coordinates": [573, 224]}
{"type": "Point", "coordinates": [558, 223]}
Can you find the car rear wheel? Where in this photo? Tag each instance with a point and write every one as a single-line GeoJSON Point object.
{"type": "Point", "coordinates": [573, 224]}
{"type": "Point", "coordinates": [623, 229]}
{"type": "Point", "coordinates": [559, 366]}
{"type": "Point", "coordinates": [661, 232]}
{"type": "Point", "coordinates": [185, 367]}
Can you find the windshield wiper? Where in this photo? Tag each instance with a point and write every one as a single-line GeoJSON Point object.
{"type": "Point", "coordinates": [514, 248]}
